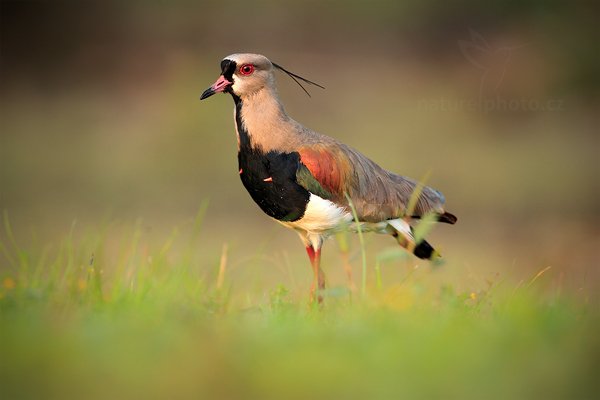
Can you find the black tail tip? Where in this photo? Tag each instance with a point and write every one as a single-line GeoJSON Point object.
{"type": "Point", "coordinates": [424, 251]}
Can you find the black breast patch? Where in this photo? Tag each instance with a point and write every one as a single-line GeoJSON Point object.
{"type": "Point", "coordinates": [270, 178]}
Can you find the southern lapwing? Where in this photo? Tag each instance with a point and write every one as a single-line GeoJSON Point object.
{"type": "Point", "coordinates": [310, 182]}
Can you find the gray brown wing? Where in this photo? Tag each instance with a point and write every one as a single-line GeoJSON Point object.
{"type": "Point", "coordinates": [378, 194]}
{"type": "Point", "coordinates": [330, 169]}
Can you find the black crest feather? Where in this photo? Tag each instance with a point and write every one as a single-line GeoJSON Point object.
{"type": "Point", "coordinates": [296, 77]}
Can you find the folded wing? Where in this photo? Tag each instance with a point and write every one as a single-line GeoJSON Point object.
{"type": "Point", "coordinates": [330, 170]}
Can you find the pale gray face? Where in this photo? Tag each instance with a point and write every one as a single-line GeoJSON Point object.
{"type": "Point", "coordinates": [252, 73]}
{"type": "Point", "coordinates": [243, 75]}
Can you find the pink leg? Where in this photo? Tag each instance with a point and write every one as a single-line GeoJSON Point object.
{"type": "Point", "coordinates": [319, 277]}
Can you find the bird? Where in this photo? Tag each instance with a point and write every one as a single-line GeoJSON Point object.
{"type": "Point", "coordinates": [310, 182]}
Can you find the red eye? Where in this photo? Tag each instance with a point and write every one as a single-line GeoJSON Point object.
{"type": "Point", "coordinates": [247, 69]}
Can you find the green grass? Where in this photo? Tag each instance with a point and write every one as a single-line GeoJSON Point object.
{"type": "Point", "coordinates": [113, 314]}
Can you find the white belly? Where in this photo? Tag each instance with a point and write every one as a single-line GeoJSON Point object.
{"type": "Point", "coordinates": [321, 216]}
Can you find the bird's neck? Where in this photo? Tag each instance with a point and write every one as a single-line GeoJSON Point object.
{"type": "Point", "coordinates": [262, 123]}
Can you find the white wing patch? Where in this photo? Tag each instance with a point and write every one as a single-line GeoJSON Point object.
{"type": "Point", "coordinates": [401, 226]}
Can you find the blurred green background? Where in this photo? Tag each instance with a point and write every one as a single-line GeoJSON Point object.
{"type": "Point", "coordinates": [100, 117]}
{"type": "Point", "coordinates": [102, 130]}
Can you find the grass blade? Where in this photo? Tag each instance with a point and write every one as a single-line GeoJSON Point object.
{"type": "Point", "coordinates": [362, 246]}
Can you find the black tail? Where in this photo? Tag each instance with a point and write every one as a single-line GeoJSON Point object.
{"type": "Point", "coordinates": [424, 251]}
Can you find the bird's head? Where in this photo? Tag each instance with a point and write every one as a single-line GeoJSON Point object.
{"type": "Point", "coordinates": [242, 75]}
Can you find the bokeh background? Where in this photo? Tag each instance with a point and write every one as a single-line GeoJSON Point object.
{"type": "Point", "coordinates": [497, 102]}
{"type": "Point", "coordinates": [121, 201]}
